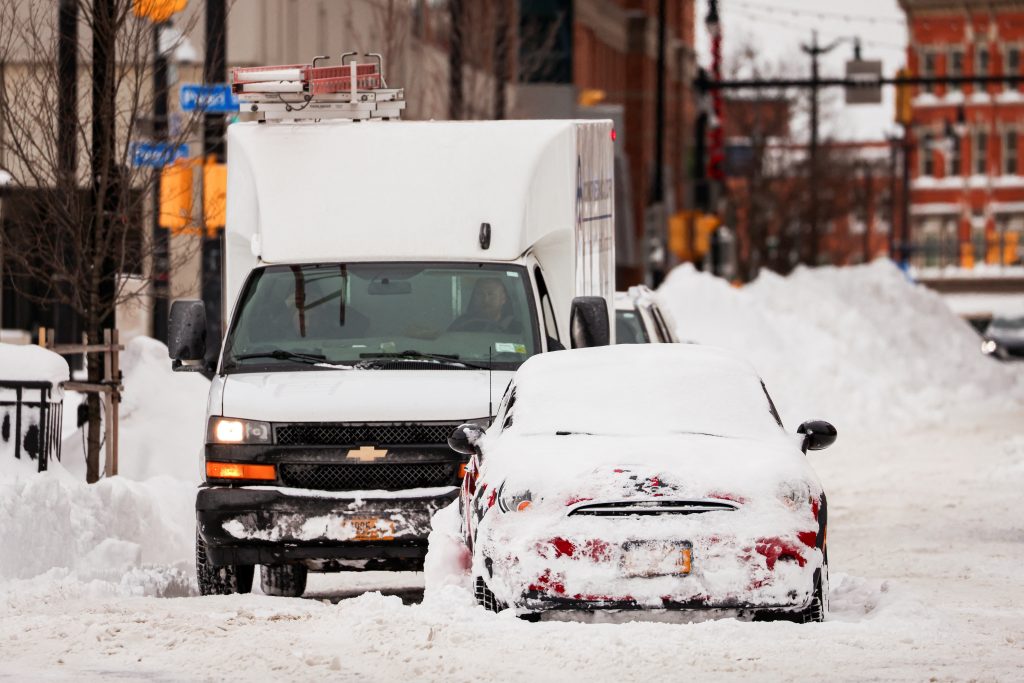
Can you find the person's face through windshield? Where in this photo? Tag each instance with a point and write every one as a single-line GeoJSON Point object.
{"type": "Point", "coordinates": [489, 300]}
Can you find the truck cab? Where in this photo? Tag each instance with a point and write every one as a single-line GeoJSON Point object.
{"type": "Point", "coordinates": [385, 280]}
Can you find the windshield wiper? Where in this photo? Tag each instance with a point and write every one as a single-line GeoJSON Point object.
{"type": "Point", "coordinates": [447, 359]}
{"type": "Point", "coordinates": [281, 354]}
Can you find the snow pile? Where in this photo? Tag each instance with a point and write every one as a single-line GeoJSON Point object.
{"type": "Point", "coordinates": [162, 418]}
{"type": "Point", "coordinates": [21, 363]}
{"type": "Point", "coordinates": [132, 534]}
{"type": "Point", "coordinates": [99, 532]}
{"type": "Point", "coordinates": [860, 346]}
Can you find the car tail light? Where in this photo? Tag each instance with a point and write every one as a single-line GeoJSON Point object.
{"type": "Point", "coordinates": [237, 470]}
{"type": "Point", "coordinates": [775, 549]}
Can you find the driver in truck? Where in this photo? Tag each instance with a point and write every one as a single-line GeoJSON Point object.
{"type": "Point", "coordinates": [489, 309]}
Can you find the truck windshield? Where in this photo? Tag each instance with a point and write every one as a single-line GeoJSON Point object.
{"type": "Point", "coordinates": [376, 315]}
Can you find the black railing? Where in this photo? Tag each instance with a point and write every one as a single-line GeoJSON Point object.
{"type": "Point", "coordinates": [31, 422]}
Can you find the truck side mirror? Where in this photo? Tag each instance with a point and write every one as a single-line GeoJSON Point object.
{"type": "Point", "coordinates": [588, 322]}
{"type": "Point", "coordinates": [818, 434]}
{"type": "Point", "coordinates": [186, 332]}
{"type": "Point", "coordinates": [463, 439]}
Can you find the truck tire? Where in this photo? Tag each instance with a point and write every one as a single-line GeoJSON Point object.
{"type": "Point", "coordinates": [220, 580]}
{"type": "Point", "coordinates": [283, 580]}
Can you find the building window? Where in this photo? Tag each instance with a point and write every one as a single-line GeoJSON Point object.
{"type": "Point", "coordinates": [955, 68]}
{"type": "Point", "coordinates": [928, 69]}
{"type": "Point", "coordinates": [981, 66]}
{"type": "Point", "coordinates": [927, 157]}
{"type": "Point", "coordinates": [1010, 152]}
{"type": "Point", "coordinates": [1012, 66]}
{"type": "Point", "coordinates": [956, 156]}
{"type": "Point", "coordinates": [981, 152]}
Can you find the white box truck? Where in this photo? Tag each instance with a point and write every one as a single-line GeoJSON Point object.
{"type": "Point", "coordinates": [385, 279]}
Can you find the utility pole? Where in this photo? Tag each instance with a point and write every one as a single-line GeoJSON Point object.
{"type": "Point", "coordinates": [455, 39]}
{"type": "Point", "coordinates": [214, 71]}
{"type": "Point", "coordinates": [161, 247]}
{"type": "Point", "coordinates": [655, 219]}
{"type": "Point", "coordinates": [716, 156]}
{"type": "Point", "coordinates": [814, 51]}
{"type": "Point", "coordinates": [501, 57]}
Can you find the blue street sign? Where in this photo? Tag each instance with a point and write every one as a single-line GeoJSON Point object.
{"type": "Point", "coordinates": [157, 154]}
{"type": "Point", "coordinates": [215, 99]}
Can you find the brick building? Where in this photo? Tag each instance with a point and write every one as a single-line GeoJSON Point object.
{"type": "Point", "coordinates": [615, 51]}
{"type": "Point", "coordinates": [967, 186]}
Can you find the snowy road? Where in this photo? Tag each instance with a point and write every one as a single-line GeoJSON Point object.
{"type": "Point", "coordinates": [926, 542]}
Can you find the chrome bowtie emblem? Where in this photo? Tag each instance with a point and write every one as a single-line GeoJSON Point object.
{"type": "Point", "coordinates": [366, 453]}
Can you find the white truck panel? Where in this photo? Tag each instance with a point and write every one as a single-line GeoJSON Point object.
{"type": "Point", "coordinates": [419, 191]}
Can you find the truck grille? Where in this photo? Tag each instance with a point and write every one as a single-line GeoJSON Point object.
{"type": "Point", "coordinates": [347, 434]}
{"type": "Point", "coordinates": [390, 476]}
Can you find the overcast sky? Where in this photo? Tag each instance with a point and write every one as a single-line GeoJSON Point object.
{"type": "Point", "coordinates": [776, 28]}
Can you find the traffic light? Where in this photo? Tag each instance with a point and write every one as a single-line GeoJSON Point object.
{"type": "Point", "coordinates": [680, 226]}
{"type": "Point", "coordinates": [904, 100]}
{"type": "Point", "coordinates": [176, 196]}
{"type": "Point", "coordinates": [215, 192]}
{"type": "Point", "coordinates": [157, 11]}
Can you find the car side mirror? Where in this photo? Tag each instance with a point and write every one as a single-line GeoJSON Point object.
{"type": "Point", "coordinates": [588, 322]}
{"type": "Point", "coordinates": [186, 333]}
{"type": "Point", "coordinates": [817, 434]}
{"type": "Point", "coordinates": [463, 439]}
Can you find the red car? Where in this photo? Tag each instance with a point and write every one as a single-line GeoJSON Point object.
{"type": "Point", "coordinates": [648, 477]}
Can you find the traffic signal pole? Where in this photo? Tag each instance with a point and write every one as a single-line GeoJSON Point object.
{"type": "Point", "coordinates": [214, 129]}
{"type": "Point", "coordinates": [161, 245]}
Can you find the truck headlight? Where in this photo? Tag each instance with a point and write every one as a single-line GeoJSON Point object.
{"type": "Point", "coordinates": [988, 347]}
{"type": "Point", "coordinates": [233, 430]}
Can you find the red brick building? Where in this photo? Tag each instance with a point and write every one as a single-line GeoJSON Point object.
{"type": "Point", "coordinates": [615, 51]}
{"type": "Point", "coordinates": [967, 182]}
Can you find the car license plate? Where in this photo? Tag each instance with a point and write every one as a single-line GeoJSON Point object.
{"type": "Point", "coordinates": [372, 529]}
{"type": "Point", "coordinates": [650, 558]}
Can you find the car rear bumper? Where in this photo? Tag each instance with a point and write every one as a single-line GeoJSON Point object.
{"type": "Point", "coordinates": [269, 525]}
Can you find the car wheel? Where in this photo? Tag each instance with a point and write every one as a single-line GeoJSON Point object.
{"type": "Point", "coordinates": [283, 580]}
{"type": "Point", "coordinates": [224, 580]}
{"type": "Point", "coordinates": [813, 612]}
{"type": "Point", "coordinates": [485, 597]}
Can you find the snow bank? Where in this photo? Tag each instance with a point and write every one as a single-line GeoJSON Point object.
{"type": "Point", "coordinates": [162, 418]}
{"type": "Point", "coordinates": [32, 363]}
{"type": "Point", "coordinates": [94, 532]}
{"type": "Point", "coordinates": [860, 346]}
{"type": "Point", "coordinates": [132, 534]}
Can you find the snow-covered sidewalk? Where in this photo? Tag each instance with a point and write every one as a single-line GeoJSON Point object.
{"type": "Point", "coordinates": [926, 543]}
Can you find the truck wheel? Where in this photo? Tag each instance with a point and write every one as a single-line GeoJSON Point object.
{"type": "Point", "coordinates": [284, 580]}
{"type": "Point", "coordinates": [224, 580]}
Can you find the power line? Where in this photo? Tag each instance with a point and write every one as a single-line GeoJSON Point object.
{"type": "Point", "coordinates": [766, 16]}
{"type": "Point", "coordinates": [798, 12]}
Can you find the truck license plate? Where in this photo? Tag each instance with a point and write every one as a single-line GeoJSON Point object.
{"type": "Point", "coordinates": [647, 558]}
{"type": "Point", "coordinates": [372, 529]}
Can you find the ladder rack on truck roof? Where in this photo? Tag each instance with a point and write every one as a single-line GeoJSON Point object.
{"type": "Point", "coordinates": [307, 91]}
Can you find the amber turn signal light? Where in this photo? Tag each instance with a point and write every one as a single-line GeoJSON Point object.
{"type": "Point", "coordinates": [237, 470]}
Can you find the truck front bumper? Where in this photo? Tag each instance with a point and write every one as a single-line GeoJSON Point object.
{"type": "Point", "coordinates": [272, 525]}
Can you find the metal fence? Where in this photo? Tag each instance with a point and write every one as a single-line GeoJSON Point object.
{"type": "Point", "coordinates": [30, 421]}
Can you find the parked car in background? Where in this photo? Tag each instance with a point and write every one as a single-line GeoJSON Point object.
{"type": "Point", "coordinates": [1004, 338]}
{"type": "Point", "coordinates": [582, 499]}
{"type": "Point", "coordinates": [639, 320]}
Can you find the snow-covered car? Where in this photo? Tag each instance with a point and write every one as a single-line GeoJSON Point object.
{"type": "Point", "coordinates": [639, 320]}
{"type": "Point", "coordinates": [657, 477]}
{"type": "Point", "coordinates": [1004, 338]}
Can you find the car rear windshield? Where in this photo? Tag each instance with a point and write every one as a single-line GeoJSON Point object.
{"type": "Point", "coordinates": [629, 328]}
{"type": "Point", "coordinates": [361, 314]}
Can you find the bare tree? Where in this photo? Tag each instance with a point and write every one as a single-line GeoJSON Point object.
{"type": "Point", "coordinates": [88, 223]}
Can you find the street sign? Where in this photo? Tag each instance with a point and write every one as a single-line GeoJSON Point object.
{"type": "Point", "coordinates": [216, 98]}
{"type": "Point", "coordinates": [868, 75]}
{"type": "Point", "coordinates": [157, 154]}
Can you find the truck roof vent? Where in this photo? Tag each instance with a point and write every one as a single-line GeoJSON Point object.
{"type": "Point", "coordinates": [306, 91]}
